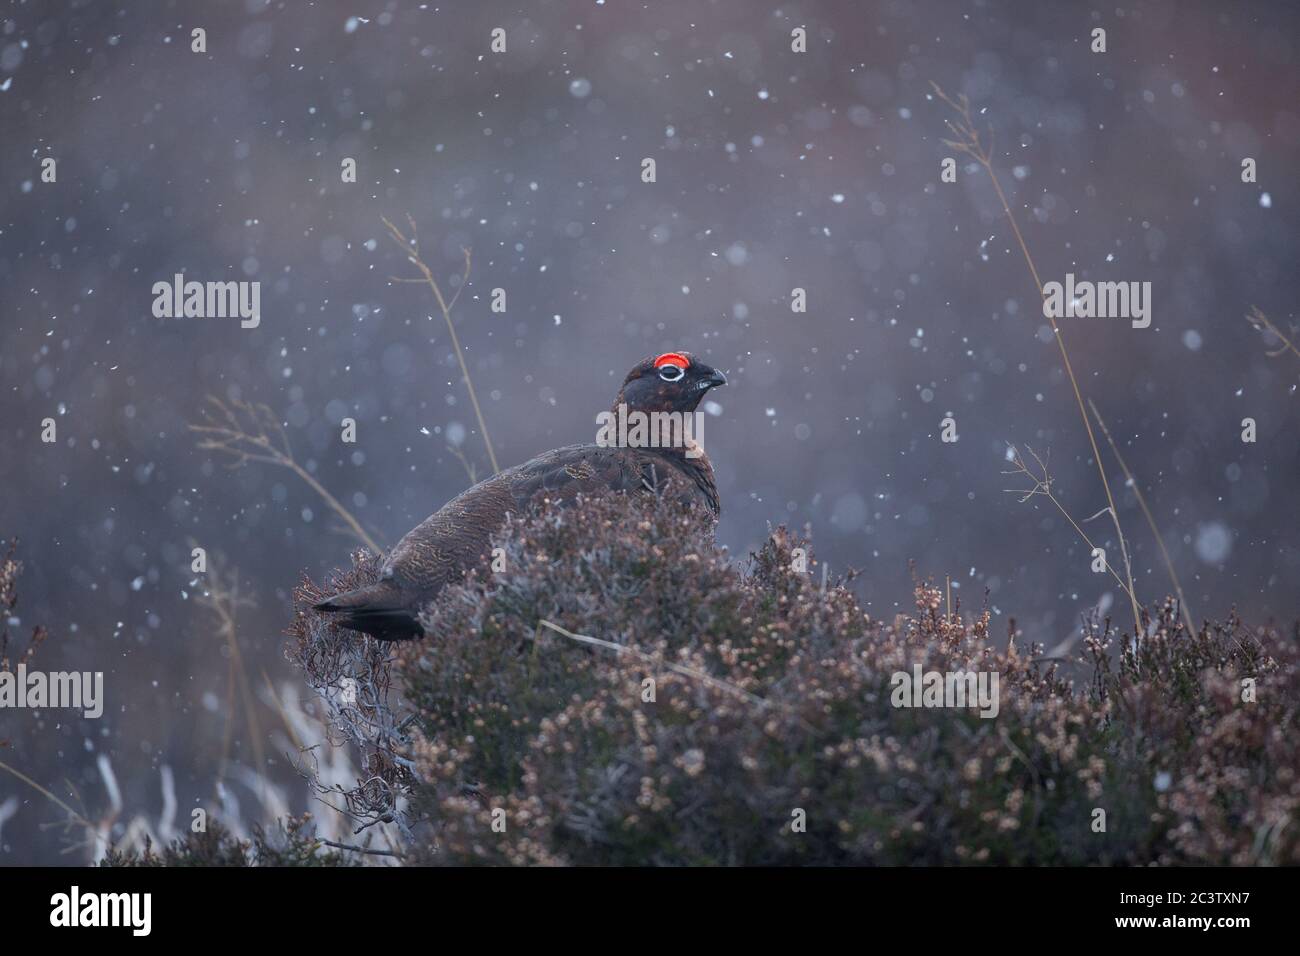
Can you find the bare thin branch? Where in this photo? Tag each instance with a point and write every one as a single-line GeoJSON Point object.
{"type": "Point", "coordinates": [649, 659]}
{"type": "Point", "coordinates": [361, 849]}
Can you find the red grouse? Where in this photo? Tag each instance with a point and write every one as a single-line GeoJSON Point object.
{"type": "Point", "coordinates": [456, 537]}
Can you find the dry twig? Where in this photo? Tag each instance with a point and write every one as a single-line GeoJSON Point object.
{"type": "Point", "coordinates": [682, 669]}
{"type": "Point", "coordinates": [362, 849]}
{"type": "Point", "coordinates": [353, 679]}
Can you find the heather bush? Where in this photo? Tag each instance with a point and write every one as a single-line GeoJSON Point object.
{"type": "Point", "coordinates": [741, 713]}
{"type": "Point", "coordinates": [291, 843]}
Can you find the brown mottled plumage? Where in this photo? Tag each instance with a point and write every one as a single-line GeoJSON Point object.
{"type": "Point", "coordinates": [456, 538]}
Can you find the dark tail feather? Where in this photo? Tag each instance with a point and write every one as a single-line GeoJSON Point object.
{"type": "Point", "coordinates": [377, 610]}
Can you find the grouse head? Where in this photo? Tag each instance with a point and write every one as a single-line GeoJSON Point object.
{"type": "Point", "coordinates": [671, 382]}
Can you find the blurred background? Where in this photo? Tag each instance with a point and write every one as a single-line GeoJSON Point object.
{"type": "Point", "coordinates": [775, 170]}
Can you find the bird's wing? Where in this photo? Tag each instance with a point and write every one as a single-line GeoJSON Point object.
{"type": "Point", "coordinates": [575, 469]}
{"type": "Point", "coordinates": [595, 469]}
{"type": "Point", "coordinates": [451, 540]}
{"type": "Point", "coordinates": [458, 535]}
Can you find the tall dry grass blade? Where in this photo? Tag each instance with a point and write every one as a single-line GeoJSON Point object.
{"type": "Point", "coordinates": [78, 818]}
{"type": "Point", "coordinates": [279, 706]}
{"type": "Point", "coordinates": [970, 143]}
{"type": "Point", "coordinates": [222, 598]}
{"type": "Point", "coordinates": [471, 471]}
{"type": "Point", "coordinates": [1151, 521]}
{"type": "Point", "coordinates": [248, 432]}
{"type": "Point", "coordinates": [412, 249]}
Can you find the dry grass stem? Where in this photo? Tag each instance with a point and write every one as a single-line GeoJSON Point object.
{"type": "Point", "coordinates": [1043, 486]}
{"type": "Point", "coordinates": [221, 596]}
{"type": "Point", "coordinates": [74, 816]}
{"type": "Point", "coordinates": [968, 141]}
{"type": "Point", "coordinates": [471, 470]}
{"type": "Point", "coordinates": [246, 432]}
{"type": "Point", "coordinates": [411, 247]}
{"type": "Point", "coordinates": [1261, 322]}
{"type": "Point", "coordinates": [1151, 521]}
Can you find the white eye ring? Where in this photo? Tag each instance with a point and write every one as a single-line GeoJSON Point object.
{"type": "Point", "coordinates": [671, 373]}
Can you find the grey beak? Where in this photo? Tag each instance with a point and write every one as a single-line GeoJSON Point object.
{"type": "Point", "coordinates": [712, 380]}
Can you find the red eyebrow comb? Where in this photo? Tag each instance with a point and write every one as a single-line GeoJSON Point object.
{"type": "Point", "coordinates": [672, 358]}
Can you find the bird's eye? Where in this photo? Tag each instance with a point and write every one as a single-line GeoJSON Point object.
{"type": "Point", "coordinates": [671, 373]}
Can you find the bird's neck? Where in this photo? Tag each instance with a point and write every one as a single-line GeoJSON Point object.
{"type": "Point", "coordinates": [700, 470]}
{"type": "Point", "coordinates": [688, 449]}
{"type": "Point", "coordinates": [687, 455]}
